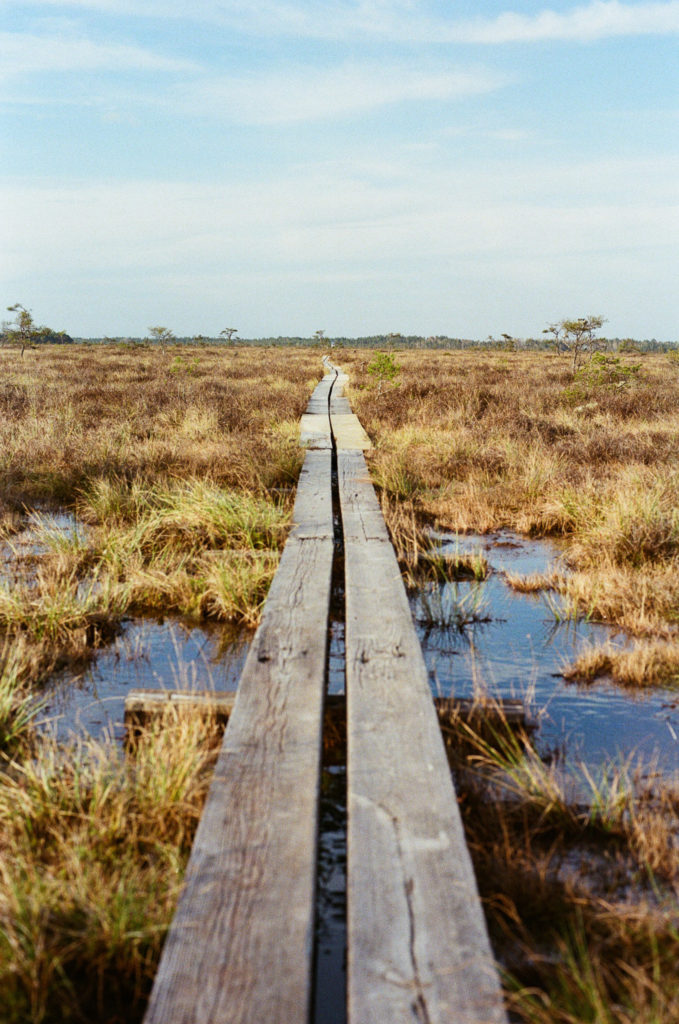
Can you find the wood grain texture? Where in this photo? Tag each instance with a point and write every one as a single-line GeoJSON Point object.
{"type": "Point", "coordinates": [339, 403]}
{"type": "Point", "coordinates": [418, 945]}
{"type": "Point", "coordinates": [314, 430]}
{"type": "Point", "coordinates": [312, 514]}
{"type": "Point", "coordinates": [348, 433]}
{"type": "Point", "coordinates": [241, 943]}
{"type": "Point", "coordinates": [318, 403]}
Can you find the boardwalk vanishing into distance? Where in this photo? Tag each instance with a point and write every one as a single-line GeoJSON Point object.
{"type": "Point", "coordinates": [241, 946]}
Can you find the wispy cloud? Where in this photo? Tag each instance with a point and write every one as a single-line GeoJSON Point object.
{"type": "Point", "coordinates": [27, 53]}
{"type": "Point", "coordinates": [400, 20]}
{"type": "Point", "coordinates": [404, 22]}
{"type": "Point", "coordinates": [309, 93]}
{"type": "Point", "coordinates": [598, 20]}
{"type": "Point", "coordinates": [184, 248]}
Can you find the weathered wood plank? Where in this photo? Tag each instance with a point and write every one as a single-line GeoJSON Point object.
{"type": "Point", "coordinates": [318, 403]}
{"type": "Point", "coordinates": [312, 514]}
{"type": "Point", "coordinates": [348, 433]}
{"type": "Point", "coordinates": [240, 946]}
{"type": "Point", "coordinates": [418, 945]}
{"type": "Point", "coordinates": [339, 403]}
{"type": "Point", "coordinates": [362, 518]}
{"type": "Point", "coordinates": [314, 430]}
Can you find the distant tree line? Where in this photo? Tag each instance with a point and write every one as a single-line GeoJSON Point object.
{"type": "Point", "coordinates": [577, 336]}
{"type": "Point", "coordinates": [404, 341]}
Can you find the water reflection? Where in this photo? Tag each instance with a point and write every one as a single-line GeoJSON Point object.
{"type": "Point", "coordinates": [152, 654]}
{"type": "Point", "coordinates": [521, 650]}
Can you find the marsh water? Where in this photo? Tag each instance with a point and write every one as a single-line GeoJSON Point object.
{"type": "Point", "coordinates": [518, 648]}
{"type": "Point", "coordinates": [478, 639]}
{"type": "Point", "coordinates": [513, 646]}
{"type": "Point", "coordinates": [149, 654]}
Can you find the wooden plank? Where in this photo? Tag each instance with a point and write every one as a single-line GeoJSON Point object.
{"type": "Point", "coordinates": [141, 706]}
{"type": "Point", "coordinates": [348, 433]}
{"type": "Point", "coordinates": [418, 945]}
{"type": "Point", "coordinates": [314, 430]}
{"type": "Point", "coordinates": [241, 943]}
{"type": "Point", "coordinates": [312, 514]}
{"type": "Point", "coordinates": [318, 403]}
{"type": "Point", "coordinates": [339, 404]}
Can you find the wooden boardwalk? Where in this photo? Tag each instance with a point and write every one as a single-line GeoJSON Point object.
{"type": "Point", "coordinates": [240, 948]}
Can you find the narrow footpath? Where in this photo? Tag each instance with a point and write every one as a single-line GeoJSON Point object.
{"type": "Point", "coordinates": [241, 946]}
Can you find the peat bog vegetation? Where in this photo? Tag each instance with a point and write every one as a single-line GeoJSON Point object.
{"type": "Point", "coordinates": [177, 471]}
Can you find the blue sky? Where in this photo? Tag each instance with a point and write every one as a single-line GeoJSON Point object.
{"type": "Point", "coordinates": [361, 167]}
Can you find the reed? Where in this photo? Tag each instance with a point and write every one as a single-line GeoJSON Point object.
{"type": "Point", "coordinates": [646, 664]}
{"type": "Point", "coordinates": [578, 873]}
{"type": "Point", "coordinates": [94, 849]}
{"type": "Point", "coordinates": [481, 441]}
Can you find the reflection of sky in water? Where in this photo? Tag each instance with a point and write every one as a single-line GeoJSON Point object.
{"type": "Point", "coordinates": [42, 531]}
{"type": "Point", "coordinates": [153, 655]}
{"type": "Point", "coordinates": [519, 654]}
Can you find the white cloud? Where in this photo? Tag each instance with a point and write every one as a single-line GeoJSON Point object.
{"type": "Point", "coordinates": [407, 22]}
{"type": "Point", "coordinates": [307, 93]}
{"type": "Point", "coordinates": [400, 20]}
{"type": "Point", "coordinates": [27, 53]}
{"type": "Point", "coordinates": [333, 215]}
{"type": "Point", "coordinates": [353, 249]}
{"type": "Point", "coordinates": [599, 20]}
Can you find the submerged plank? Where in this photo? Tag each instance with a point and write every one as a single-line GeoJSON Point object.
{"type": "Point", "coordinates": [240, 946]}
{"type": "Point", "coordinates": [492, 717]}
{"type": "Point", "coordinates": [418, 945]}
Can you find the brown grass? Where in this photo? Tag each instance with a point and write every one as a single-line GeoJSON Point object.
{"type": "Point", "coordinates": [73, 414]}
{"type": "Point", "coordinates": [646, 664]}
{"type": "Point", "coordinates": [92, 854]}
{"type": "Point", "coordinates": [183, 466]}
{"type": "Point", "coordinates": [481, 441]}
{"type": "Point", "coordinates": [580, 883]}
{"type": "Point", "coordinates": [180, 470]}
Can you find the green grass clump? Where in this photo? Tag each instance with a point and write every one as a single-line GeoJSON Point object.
{"type": "Point", "coordinates": [93, 854]}
{"type": "Point", "coordinates": [18, 705]}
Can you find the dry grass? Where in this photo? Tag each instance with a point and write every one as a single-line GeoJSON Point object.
{"type": "Point", "coordinates": [646, 664]}
{"type": "Point", "coordinates": [73, 415]}
{"type": "Point", "coordinates": [480, 441]}
{"type": "Point", "coordinates": [182, 467]}
{"type": "Point", "coordinates": [179, 470]}
{"type": "Point", "coordinates": [92, 854]}
{"type": "Point", "coordinates": [580, 880]}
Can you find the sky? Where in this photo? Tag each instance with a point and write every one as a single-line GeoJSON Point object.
{"type": "Point", "coordinates": [352, 166]}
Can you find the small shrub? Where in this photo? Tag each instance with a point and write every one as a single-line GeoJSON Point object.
{"type": "Point", "coordinates": [384, 367]}
{"type": "Point", "coordinates": [602, 371]}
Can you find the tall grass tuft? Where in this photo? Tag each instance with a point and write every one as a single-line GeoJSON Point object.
{"type": "Point", "coordinates": [18, 705]}
{"type": "Point", "coordinates": [578, 872]}
{"type": "Point", "coordinates": [94, 849]}
{"type": "Point", "coordinates": [647, 663]}
{"type": "Point", "coordinates": [450, 606]}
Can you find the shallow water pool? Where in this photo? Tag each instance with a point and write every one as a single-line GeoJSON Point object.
{"type": "Point", "coordinates": [162, 654]}
{"type": "Point", "coordinates": [521, 650]}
